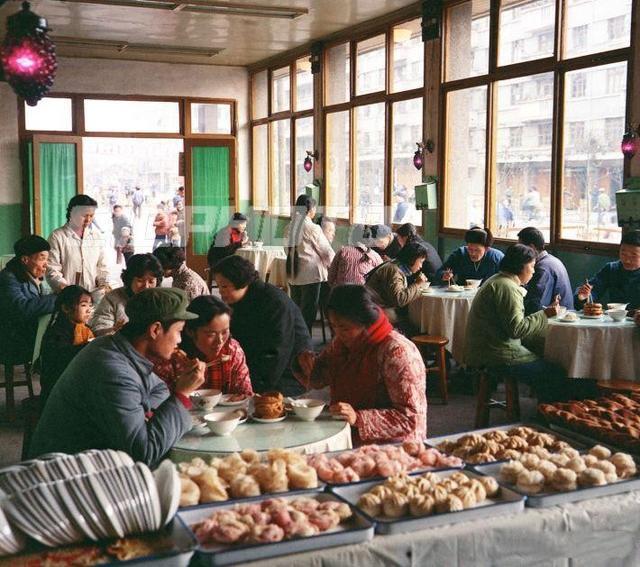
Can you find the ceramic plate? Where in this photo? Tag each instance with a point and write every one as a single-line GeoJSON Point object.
{"type": "Point", "coordinates": [274, 420]}
{"type": "Point", "coordinates": [225, 401]}
{"type": "Point", "coordinates": [168, 484]}
{"type": "Point", "coordinates": [453, 290]}
{"type": "Point", "coordinates": [563, 320]}
{"type": "Point", "coordinates": [590, 316]}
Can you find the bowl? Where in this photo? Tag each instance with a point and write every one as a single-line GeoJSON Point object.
{"type": "Point", "coordinates": [562, 311]}
{"type": "Point", "coordinates": [258, 243]}
{"type": "Point", "coordinates": [473, 284]}
{"type": "Point", "coordinates": [426, 285]}
{"type": "Point", "coordinates": [308, 409]}
{"type": "Point", "coordinates": [222, 424]}
{"type": "Point", "coordinates": [616, 306]}
{"type": "Point", "coordinates": [617, 314]}
{"type": "Point", "coordinates": [570, 316]}
{"type": "Point", "coordinates": [205, 399]}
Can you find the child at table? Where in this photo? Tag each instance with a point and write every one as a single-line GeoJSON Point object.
{"type": "Point", "coordinates": [65, 336]}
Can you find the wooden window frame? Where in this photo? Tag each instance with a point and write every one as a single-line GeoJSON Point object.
{"type": "Point", "coordinates": [559, 67]}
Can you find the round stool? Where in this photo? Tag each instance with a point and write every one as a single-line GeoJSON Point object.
{"type": "Point", "coordinates": [437, 344]}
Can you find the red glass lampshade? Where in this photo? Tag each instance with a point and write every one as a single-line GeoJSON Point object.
{"type": "Point", "coordinates": [28, 55]}
{"type": "Point", "coordinates": [629, 144]}
{"type": "Point", "coordinates": [308, 164]}
{"type": "Point", "coordinates": [417, 159]}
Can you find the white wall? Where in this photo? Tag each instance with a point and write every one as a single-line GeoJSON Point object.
{"type": "Point", "coordinates": [129, 78]}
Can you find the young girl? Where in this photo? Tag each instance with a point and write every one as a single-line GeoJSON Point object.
{"type": "Point", "coordinates": [66, 334]}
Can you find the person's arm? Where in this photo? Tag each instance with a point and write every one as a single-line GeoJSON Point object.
{"type": "Point", "coordinates": [102, 272]}
{"type": "Point", "coordinates": [103, 321]}
{"type": "Point", "coordinates": [401, 293]}
{"type": "Point", "coordinates": [538, 289]}
{"type": "Point", "coordinates": [510, 311]}
{"type": "Point", "coordinates": [55, 277]}
{"type": "Point", "coordinates": [404, 377]}
{"type": "Point", "coordinates": [451, 263]}
{"type": "Point", "coordinates": [334, 268]}
{"type": "Point", "coordinates": [321, 245]}
{"type": "Point", "coordinates": [240, 378]}
{"type": "Point", "coordinates": [599, 283]}
{"type": "Point", "coordinates": [13, 299]}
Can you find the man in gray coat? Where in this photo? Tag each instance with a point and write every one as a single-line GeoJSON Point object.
{"type": "Point", "coordinates": [109, 397]}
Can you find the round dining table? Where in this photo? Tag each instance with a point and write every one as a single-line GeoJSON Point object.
{"type": "Point", "coordinates": [445, 313]}
{"type": "Point", "coordinates": [595, 348]}
{"type": "Point", "coordinates": [262, 257]}
{"type": "Point", "coordinates": [278, 273]}
{"type": "Point", "coordinates": [323, 434]}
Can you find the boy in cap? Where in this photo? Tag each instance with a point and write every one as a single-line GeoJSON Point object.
{"type": "Point", "coordinates": [110, 398]}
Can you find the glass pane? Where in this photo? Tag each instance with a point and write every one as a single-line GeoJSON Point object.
{"type": "Point", "coordinates": [338, 61]}
{"type": "Point", "coordinates": [280, 90]}
{"type": "Point", "coordinates": [465, 157]}
{"type": "Point", "coordinates": [338, 163]}
{"type": "Point", "coordinates": [407, 130]}
{"type": "Point", "coordinates": [523, 154]}
{"type": "Point", "coordinates": [369, 156]}
{"type": "Point", "coordinates": [304, 142]}
{"type": "Point", "coordinates": [259, 95]}
{"type": "Point", "coordinates": [210, 118]}
{"type": "Point", "coordinates": [50, 114]}
{"type": "Point", "coordinates": [304, 84]}
{"type": "Point", "coordinates": [467, 40]}
{"type": "Point", "coordinates": [595, 25]}
{"type": "Point", "coordinates": [131, 116]}
{"type": "Point", "coordinates": [281, 167]}
{"type": "Point", "coordinates": [370, 65]}
{"type": "Point", "coordinates": [593, 164]}
{"type": "Point", "coordinates": [408, 56]}
{"type": "Point", "coordinates": [526, 30]}
{"type": "Point", "coordinates": [261, 167]}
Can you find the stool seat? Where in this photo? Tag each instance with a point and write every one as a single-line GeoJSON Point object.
{"type": "Point", "coordinates": [430, 340]}
{"type": "Point", "coordinates": [437, 343]}
{"type": "Point", "coordinates": [619, 386]}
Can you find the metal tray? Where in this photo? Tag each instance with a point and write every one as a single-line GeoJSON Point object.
{"type": "Point", "coordinates": [508, 502]}
{"type": "Point", "coordinates": [543, 500]}
{"type": "Point", "coordinates": [358, 530]}
{"type": "Point", "coordinates": [590, 441]}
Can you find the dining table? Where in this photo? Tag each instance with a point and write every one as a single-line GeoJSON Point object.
{"type": "Point", "coordinates": [262, 257]}
{"type": "Point", "coordinates": [598, 348]}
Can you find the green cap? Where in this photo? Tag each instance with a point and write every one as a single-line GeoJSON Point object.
{"type": "Point", "coordinates": [159, 304]}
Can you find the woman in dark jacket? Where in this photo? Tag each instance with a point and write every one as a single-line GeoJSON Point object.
{"type": "Point", "coordinates": [432, 263]}
{"type": "Point", "coordinates": [267, 324]}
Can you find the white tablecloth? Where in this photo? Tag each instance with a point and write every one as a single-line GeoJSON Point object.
{"type": "Point", "coordinates": [600, 532]}
{"type": "Point", "coordinates": [601, 349]}
{"type": "Point", "coordinates": [262, 258]}
{"type": "Point", "coordinates": [278, 273]}
{"type": "Point", "coordinates": [443, 313]}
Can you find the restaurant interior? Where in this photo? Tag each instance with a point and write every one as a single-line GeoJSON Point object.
{"type": "Point", "coordinates": [415, 231]}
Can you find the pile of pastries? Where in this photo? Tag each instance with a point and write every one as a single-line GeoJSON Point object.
{"type": "Point", "coordinates": [271, 521]}
{"type": "Point", "coordinates": [498, 445]}
{"type": "Point", "coordinates": [543, 472]}
{"type": "Point", "coordinates": [614, 419]}
{"type": "Point", "coordinates": [593, 309]}
{"type": "Point", "coordinates": [423, 495]}
{"type": "Point", "coordinates": [269, 405]}
{"type": "Point", "coordinates": [371, 461]}
{"type": "Point", "coordinates": [244, 474]}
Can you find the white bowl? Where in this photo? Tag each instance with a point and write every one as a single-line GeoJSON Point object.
{"type": "Point", "coordinates": [617, 314]}
{"type": "Point", "coordinates": [308, 409]}
{"type": "Point", "coordinates": [617, 306]}
{"type": "Point", "coordinates": [222, 424]}
{"type": "Point", "coordinates": [562, 311]}
{"type": "Point", "coordinates": [258, 243]}
{"type": "Point", "coordinates": [205, 399]}
{"type": "Point", "coordinates": [474, 284]}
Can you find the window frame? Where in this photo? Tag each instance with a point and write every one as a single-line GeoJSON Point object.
{"type": "Point", "coordinates": [559, 67]}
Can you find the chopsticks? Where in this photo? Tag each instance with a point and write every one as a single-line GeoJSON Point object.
{"type": "Point", "coordinates": [218, 362]}
{"type": "Point", "coordinates": [590, 298]}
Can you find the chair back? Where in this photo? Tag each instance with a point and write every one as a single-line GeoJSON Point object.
{"type": "Point", "coordinates": [43, 323]}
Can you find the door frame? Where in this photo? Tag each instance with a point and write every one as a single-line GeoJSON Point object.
{"type": "Point", "coordinates": [199, 262]}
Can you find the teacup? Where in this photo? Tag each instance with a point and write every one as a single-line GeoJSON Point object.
{"type": "Point", "coordinates": [562, 311]}
{"type": "Point", "coordinates": [308, 409]}
{"type": "Point", "coordinates": [617, 306]}
{"type": "Point", "coordinates": [223, 424]}
{"type": "Point", "coordinates": [617, 314]}
{"type": "Point", "coordinates": [258, 243]}
{"type": "Point", "coordinates": [205, 399]}
{"type": "Point", "coordinates": [473, 284]}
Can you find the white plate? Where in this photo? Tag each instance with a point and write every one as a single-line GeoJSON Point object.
{"type": "Point", "coordinates": [563, 320]}
{"type": "Point", "coordinates": [11, 541]}
{"type": "Point", "coordinates": [224, 401]}
{"type": "Point", "coordinates": [68, 502]}
{"type": "Point", "coordinates": [453, 290]}
{"type": "Point", "coordinates": [150, 485]}
{"type": "Point", "coordinates": [168, 485]}
{"type": "Point", "coordinates": [274, 420]}
{"type": "Point", "coordinates": [113, 524]}
{"type": "Point", "coordinates": [590, 316]}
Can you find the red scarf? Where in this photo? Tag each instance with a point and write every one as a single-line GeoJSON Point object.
{"type": "Point", "coordinates": [354, 368]}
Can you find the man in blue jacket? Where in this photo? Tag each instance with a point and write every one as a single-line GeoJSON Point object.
{"type": "Point", "coordinates": [550, 278]}
{"type": "Point", "coordinates": [22, 302]}
{"type": "Point", "coordinates": [110, 398]}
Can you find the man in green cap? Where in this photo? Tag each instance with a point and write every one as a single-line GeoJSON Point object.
{"type": "Point", "coordinates": [109, 397]}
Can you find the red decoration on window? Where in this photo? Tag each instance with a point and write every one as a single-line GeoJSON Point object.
{"type": "Point", "coordinates": [629, 145]}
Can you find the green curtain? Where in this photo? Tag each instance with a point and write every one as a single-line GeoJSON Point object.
{"type": "Point", "coordinates": [28, 175]}
{"type": "Point", "coordinates": [58, 184]}
{"type": "Point", "coordinates": [210, 188]}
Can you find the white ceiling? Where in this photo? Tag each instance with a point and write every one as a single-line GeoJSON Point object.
{"type": "Point", "coordinates": [244, 39]}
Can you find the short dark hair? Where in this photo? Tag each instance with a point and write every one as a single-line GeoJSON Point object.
{"type": "Point", "coordinates": [354, 302]}
{"type": "Point", "coordinates": [170, 257]}
{"type": "Point", "coordinates": [206, 307]}
{"type": "Point", "coordinates": [239, 271]}
{"type": "Point", "coordinates": [479, 235]}
{"type": "Point", "coordinates": [117, 207]}
{"type": "Point", "coordinates": [239, 217]}
{"type": "Point", "coordinates": [410, 252]}
{"type": "Point", "coordinates": [138, 265]}
{"type": "Point", "coordinates": [70, 297]}
{"type": "Point", "coordinates": [80, 201]}
{"type": "Point", "coordinates": [516, 257]}
{"type": "Point", "coordinates": [304, 202]}
{"type": "Point", "coordinates": [531, 236]}
{"type": "Point", "coordinates": [407, 230]}
{"type": "Point", "coordinates": [631, 238]}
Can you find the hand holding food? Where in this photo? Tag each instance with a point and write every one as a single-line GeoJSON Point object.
{"type": "Point", "coordinates": [192, 379]}
{"type": "Point", "coordinates": [447, 275]}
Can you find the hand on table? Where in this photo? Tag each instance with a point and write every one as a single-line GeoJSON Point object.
{"type": "Point", "coordinates": [552, 311]}
{"type": "Point", "coordinates": [191, 379]}
{"type": "Point", "coordinates": [345, 411]}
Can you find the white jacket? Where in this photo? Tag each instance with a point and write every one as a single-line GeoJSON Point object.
{"type": "Point", "coordinates": [314, 255]}
{"type": "Point", "coordinates": [70, 255]}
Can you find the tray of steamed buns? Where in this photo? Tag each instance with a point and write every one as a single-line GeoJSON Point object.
{"type": "Point", "coordinates": [404, 503]}
{"type": "Point", "coordinates": [548, 479]}
{"type": "Point", "coordinates": [502, 443]}
{"type": "Point", "coordinates": [270, 526]}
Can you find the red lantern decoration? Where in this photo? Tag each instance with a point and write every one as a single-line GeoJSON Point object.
{"type": "Point", "coordinates": [629, 143]}
{"type": "Point", "coordinates": [28, 55]}
{"type": "Point", "coordinates": [308, 161]}
{"type": "Point", "coordinates": [418, 161]}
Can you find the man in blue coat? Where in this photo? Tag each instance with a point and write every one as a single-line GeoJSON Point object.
{"type": "Point", "coordinates": [550, 278]}
{"type": "Point", "coordinates": [22, 302]}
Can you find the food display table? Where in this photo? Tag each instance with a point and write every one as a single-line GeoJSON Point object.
{"type": "Point", "coordinates": [262, 257]}
{"type": "Point", "coordinates": [439, 312]}
{"type": "Point", "coordinates": [323, 434]}
{"type": "Point", "coordinates": [595, 348]}
{"type": "Point", "coordinates": [598, 532]}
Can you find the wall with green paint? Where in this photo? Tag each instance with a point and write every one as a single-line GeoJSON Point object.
{"type": "Point", "coordinates": [11, 223]}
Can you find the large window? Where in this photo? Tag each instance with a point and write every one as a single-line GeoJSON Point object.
{"type": "Point", "coordinates": [554, 161]}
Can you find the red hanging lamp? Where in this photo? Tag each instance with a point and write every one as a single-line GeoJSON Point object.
{"type": "Point", "coordinates": [28, 55]}
{"type": "Point", "coordinates": [630, 142]}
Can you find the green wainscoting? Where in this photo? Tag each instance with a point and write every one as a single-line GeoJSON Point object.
{"type": "Point", "coordinates": [11, 223]}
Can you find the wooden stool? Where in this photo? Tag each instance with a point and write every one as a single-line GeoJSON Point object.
{"type": "Point", "coordinates": [437, 344]}
{"type": "Point", "coordinates": [31, 410]}
{"type": "Point", "coordinates": [9, 385]}
{"type": "Point", "coordinates": [624, 386]}
{"type": "Point", "coordinates": [484, 402]}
